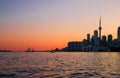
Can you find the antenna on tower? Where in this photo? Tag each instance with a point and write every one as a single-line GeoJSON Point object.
{"type": "Point", "coordinates": [100, 21]}
{"type": "Point", "coordinates": [100, 28]}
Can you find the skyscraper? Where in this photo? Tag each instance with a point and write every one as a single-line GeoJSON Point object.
{"type": "Point", "coordinates": [104, 38]}
{"type": "Point", "coordinates": [109, 38]}
{"type": "Point", "coordinates": [110, 42]}
{"type": "Point", "coordinates": [103, 42]}
{"type": "Point", "coordinates": [100, 28]}
{"type": "Point", "coordinates": [96, 40]}
{"type": "Point", "coordinates": [88, 37]}
{"type": "Point", "coordinates": [95, 34]}
{"type": "Point", "coordinates": [118, 34]}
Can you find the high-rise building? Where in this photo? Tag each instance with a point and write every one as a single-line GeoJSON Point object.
{"type": "Point", "coordinates": [95, 34]}
{"type": "Point", "coordinates": [118, 34]}
{"type": "Point", "coordinates": [96, 39]}
{"type": "Point", "coordinates": [100, 28]}
{"type": "Point", "coordinates": [88, 37]}
{"type": "Point", "coordinates": [110, 38]}
{"type": "Point", "coordinates": [103, 42]}
{"type": "Point", "coordinates": [104, 38]}
{"type": "Point", "coordinates": [92, 40]}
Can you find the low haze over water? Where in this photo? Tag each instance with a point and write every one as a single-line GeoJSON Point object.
{"type": "Point", "coordinates": [60, 65]}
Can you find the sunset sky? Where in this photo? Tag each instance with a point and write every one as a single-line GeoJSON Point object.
{"type": "Point", "coordinates": [50, 24]}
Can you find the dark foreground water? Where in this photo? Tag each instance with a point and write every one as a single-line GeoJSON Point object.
{"type": "Point", "coordinates": [60, 65]}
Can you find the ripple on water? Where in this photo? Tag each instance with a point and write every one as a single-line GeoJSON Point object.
{"type": "Point", "coordinates": [116, 75]}
{"type": "Point", "coordinates": [8, 75]}
{"type": "Point", "coordinates": [60, 65]}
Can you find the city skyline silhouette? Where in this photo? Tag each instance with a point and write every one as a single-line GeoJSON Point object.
{"type": "Point", "coordinates": [59, 38]}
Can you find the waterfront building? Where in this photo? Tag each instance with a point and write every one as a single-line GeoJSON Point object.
{"type": "Point", "coordinates": [92, 41]}
{"type": "Point", "coordinates": [88, 37]}
{"type": "Point", "coordinates": [74, 46]}
{"type": "Point", "coordinates": [118, 34]}
{"type": "Point", "coordinates": [103, 41]}
{"type": "Point", "coordinates": [110, 41]}
{"type": "Point", "coordinates": [104, 38]}
{"type": "Point", "coordinates": [116, 45]}
{"type": "Point", "coordinates": [96, 39]}
{"type": "Point", "coordinates": [95, 34]}
{"type": "Point", "coordinates": [110, 38]}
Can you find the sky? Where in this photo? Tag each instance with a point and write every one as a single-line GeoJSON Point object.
{"type": "Point", "coordinates": [50, 24]}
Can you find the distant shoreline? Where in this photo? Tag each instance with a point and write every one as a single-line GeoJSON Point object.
{"type": "Point", "coordinates": [59, 52]}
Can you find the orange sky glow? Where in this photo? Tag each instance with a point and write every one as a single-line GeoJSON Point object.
{"type": "Point", "coordinates": [45, 25]}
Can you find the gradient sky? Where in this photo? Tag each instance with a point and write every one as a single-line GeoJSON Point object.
{"type": "Point", "coordinates": [47, 24]}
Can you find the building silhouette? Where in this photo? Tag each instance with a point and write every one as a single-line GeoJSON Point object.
{"type": "Point", "coordinates": [74, 46]}
{"type": "Point", "coordinates": [118, 34]}
{"type": "Point", "coordinates": [96, 39]}
{"type": "Point", "coordinates": [110, 41]}
{"type": "Point", "coordinates": [110, 38]}
{"type": "Point", "coordinates": [103, 41]}
{"type": "Point", "coordinates": [88, 37]}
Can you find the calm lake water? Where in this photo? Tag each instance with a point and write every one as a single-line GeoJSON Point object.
{"type": "Point", "coordinates": [60, 65]}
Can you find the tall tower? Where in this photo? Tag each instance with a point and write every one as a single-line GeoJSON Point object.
{"type": "Point", "coordinates": [100, 28]}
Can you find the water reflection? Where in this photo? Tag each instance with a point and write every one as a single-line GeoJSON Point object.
{"type": "Point", "coordinates": [68, 65]}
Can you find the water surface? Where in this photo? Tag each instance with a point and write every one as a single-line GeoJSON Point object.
{"type": "Point", "coordinates": [60, 65]}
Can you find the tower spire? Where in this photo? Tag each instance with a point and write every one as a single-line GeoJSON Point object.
{"type": "Point", "coordinates": [100, 21]}
{"type": "Point", "coordinates": [100, 28]}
